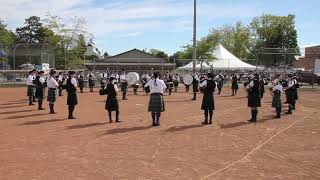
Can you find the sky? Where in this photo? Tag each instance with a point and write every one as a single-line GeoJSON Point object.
{"type": "Point", "coordinates": [121, 25]}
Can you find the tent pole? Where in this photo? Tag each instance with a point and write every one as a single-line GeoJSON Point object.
{"type": "Point", "coordinates": [194, 56]}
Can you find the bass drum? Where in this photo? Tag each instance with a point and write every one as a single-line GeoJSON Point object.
{"type": "Point", "coordinates": [132, 78]}
{"type": "Point", "coordinates": [187, 79]}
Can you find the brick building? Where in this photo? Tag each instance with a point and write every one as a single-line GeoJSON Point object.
{"type": "Point", "coordinates": [307, 60]}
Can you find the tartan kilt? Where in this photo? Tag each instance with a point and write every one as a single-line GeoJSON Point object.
{"type": "Point", "coordinates": [112, 104]}
{"type": "Point", "coordinates": [51, 95]}
{"type": "Point", "coordinates": [207, 102]}
{"type": "Point", "coordinates": [195, 88]}
{"type": "Point", "coordinates": [31, 90]}
{"type": "Point", "coordinates": [124, 87]}
{"type": "Point", "coordinates": [276, 101]}
{"type": "Point", "coordinates": [72, 99]}
{"type": "Point", "coordinates": [91, 83]}
{"type": "Point", "coordinates": [39, 93]}
{"type": "Point", "coordinates": [156, 103]}
{"type": "Point", "coordinates": [234, 85]}
{"type": "Point", "coordinates": [291, 97]}
{"type": "Point", "coordinates": [254, 100]}
{"type": "Point", "coordinates": [296, 94]}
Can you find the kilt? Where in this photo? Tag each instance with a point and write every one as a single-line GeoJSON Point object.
{"type": "Point", "coordinates": [147, 89]}
{"type": "Point", "coordinates": [176, 83]}
{"type": "Point", "coordinates": [276, 101]}
{"type": "Point", "coordinates": [234, 85]}
{"type": "Point", "coordinates": [254, 100]}
{"type": "Point", "coordinates": [195, 88]}
{"type": "Point", "coordinates": [51, 95]}
{"type": "Point", "coordinates": [124, 87]}
{"type": "Point", "coordinates": [207, 101]}
{"type": "Point", "coordinates": [156, 103]}
{"type": "Point", "coordinates": [291, 98]}
{"type": "Point", "coordinates": [296, 94]}
{"type": "Point", "coordinates": [112, 104]}
{"type": "Point", "coordinates": [91, 83]}
{"type": "Point", "coordinates": [31, 90]}
{"type": "Point", "coordinates": [72, 99]}
{"type": "Point", "coordinates": [39, 93]}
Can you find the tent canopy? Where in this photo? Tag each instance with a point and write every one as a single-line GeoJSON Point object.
{"type": "Point", "coordinates": [189, 66]}
{"type": "Point", "coordinates": [224, 60]}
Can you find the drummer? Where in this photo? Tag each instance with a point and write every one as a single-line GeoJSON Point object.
{"type": "Point", "coordinates": [176, 80]}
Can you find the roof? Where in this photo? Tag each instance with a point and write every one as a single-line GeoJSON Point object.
{"type": "Point", "coordinates": [134, 55]}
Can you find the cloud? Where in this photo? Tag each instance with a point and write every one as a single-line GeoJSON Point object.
{"type": "Point", "coordinates": [131, 34]}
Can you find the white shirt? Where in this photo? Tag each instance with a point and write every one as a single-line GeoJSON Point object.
{"type": "Point", "coordinates": [250, 85]}
{"type": "Point", "coordinates": [156, 86]}
{"type": "Point", "coordinates": [30, 80]}
{"type": "Point", "coordinates": [60, 78]}
{"type": "Point", "coordinates": [122, 78]}
{"type": "Point", "coordinates": [291, 83]}
{"type": "Point", "coordinates": [52, 83]}
{"type": "Point", "coordinates": [74, 82]}
{"type": "Point", "coordinates": [41, 79]}
{"type": "Point", "coordinates": [278, 87]}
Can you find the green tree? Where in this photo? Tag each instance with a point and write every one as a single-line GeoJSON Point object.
{"type": "Point", "coordinates": [159, 53]}
{"type": "Point", "coordinates": [31, 32]}
{"type": "Point", "coordinates": [6, 36]}
{"type": "Point", "coordinates": [269, 31]}
{"type": "Point", "coordinates": [106, 54]}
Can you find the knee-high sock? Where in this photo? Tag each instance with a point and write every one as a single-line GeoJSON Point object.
{"type": "Point", "coordinates": [210, 114]}
{"type": "Point", "coordinates": [278, 110]}
{"type": "Point", "coordinates": [153, 115]}
{"type": "Point", "coordinates": [194, 96]}
{"type": "Point", "coordinates": [71, 109]}
{"type": "Point", "coordinates": [30, 100]}
{"type": "Point", "coordinates": [158, 117]}
{"type": "Point", "coordinates": [117, 115]}
{"type": "Point", "coordinates": [206, 113]}
{"type": "Point", "coordinates": [110, 116]}
{"type": "Point", "coordinates": [39, 104]}
{"type": "Point", "coordinates": [51, 105]}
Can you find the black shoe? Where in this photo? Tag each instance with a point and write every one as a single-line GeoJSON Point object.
{"type": "Point", "coordinates": [277, 117]}
{"type": "Point", "coordinates": [205, 122]}
{"type": "Point", "coordinates": [31, 104]}
{"type": "Point", "coordinates": [118, 121]}
{"type": "Point", "coordinates": [71, 117]}
{"type": "Point", "coordinates": [41, 109]}
{"type": "Point", "coordinates": [210, 122]}
{"type": "Point", "coordinates": [289, 112]}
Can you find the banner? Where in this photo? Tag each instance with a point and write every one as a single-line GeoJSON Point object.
{"type": "Point", "coordinates": [317, 67]}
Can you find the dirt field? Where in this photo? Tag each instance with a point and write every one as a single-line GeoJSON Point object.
{"type": "Point", "coordinates": [38, 146]}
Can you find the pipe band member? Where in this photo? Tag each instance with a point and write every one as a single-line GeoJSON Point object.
{"type": "Point", "coordinates": [124, 85]}
{"type": "Point", "coordinates": [220, 80]}
{"type": "Point", "coordinates": [234, 85]}
{"type": "Point", "coordinates": [291, 96]}
{"type": "Point", "coordinates": [112, 103]}
{"type": "Point", "coordinates": [254, 100]}
{"type": "Point", "coordinates": [276, 97]}
{"type": "Point", "coordinates": [91, 80]}
{"type": "Point", "coordinates": [296, 86]}
{"type": "Point", "coordinates": [52, 85]}
{"type": "Point", "coordinates": [61, 79]}
{"type": "Point", "coordinates": [156, 103]}
{"type": "Point", "coordinates": [40, 88]}
{"type": "Point", "coordinates": [81, 81]}
{"type": "Point", "coordinates": [170, 83]}
{"type": "Point", "coordinates": [195, 86]}
{"type": "Point", "coordinates": [135, 88]}
{"type": "Point", "coordinates": [71, 87]}
{"type": "Point", "coordinates": [31, 86]}
{"type": "Point", "coordinates": [208, 86]}
{"type": "Point", "coordinates": [176, 80]}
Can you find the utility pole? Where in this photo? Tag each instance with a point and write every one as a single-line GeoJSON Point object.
{"type": "Point", "coordinates": [194, 54]}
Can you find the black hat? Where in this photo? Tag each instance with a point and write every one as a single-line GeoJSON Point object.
{"type": "Point", "coordinates": [111, 79]}
{"type": "Point", "coordinates": [32, 71]}
{"type": "Point", "coordinates": [41, 72]}
{"type": "Point", "coordinates": [52, 72]}
{"type": "Point", "coordinates": [71, 72]}
{"type": "Point", "coordinates": [210, 75]}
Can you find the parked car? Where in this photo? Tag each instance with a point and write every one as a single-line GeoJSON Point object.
{"type": "Point", "coordinates": [307, 77]}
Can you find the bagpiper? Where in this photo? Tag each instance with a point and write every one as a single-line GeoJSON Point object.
{"type": "Point", "coordinates": [195, 86]}
{"type": "Point", "coordinates": [124, 85]}
{"type": "Point", "coordinates": [290, 94]}
{"type": "Point", "coordinates": [40, 88]}
{"type": "Point", "coordinates": [277, 90]}
{"type": "Point", "coordinates": [71, 87]}
{"type": "Point", "coordinates": [81, 81]}
{"type": "Point", "coordinates": [207, 106]}
{"type": "Point", "coordinates": [112, 103]}
{"type": "Point", "coordinates": [31, 87]}
{"type": "Point", "coordinates": [234, 85]}
{"type": "Point", "coordinates": [176, 80]}
{"type": "Point", "coordinates": [156, 102]}
{"type": "Point", "coordinates": [254, 100]}
{"type": "Point", "coordinates": [91, 80]}
{"type": "Point", "coordinates": [52, 85]}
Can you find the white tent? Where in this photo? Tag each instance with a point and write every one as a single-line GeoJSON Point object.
{"type": "Point", "coordinates": [189, 66]}
{"type": "Point", "coordinates": [224, 60]}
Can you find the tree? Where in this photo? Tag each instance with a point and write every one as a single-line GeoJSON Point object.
{"type": "Point", "coordinates": [6, 36]}
{"type": "Point", "coordinates": [106, 54]}
{"type": "Point", "coordinates": [31, 32]}
{"type": "Point", "coordinates": [269, 31]}
{"type": "Point", "coordinates": [159, 53]}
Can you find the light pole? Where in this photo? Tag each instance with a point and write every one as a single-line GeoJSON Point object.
{"type": "Point", "coordinates": [194, 54]}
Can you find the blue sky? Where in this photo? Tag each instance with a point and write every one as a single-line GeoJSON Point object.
{"type": "Point", "coordinates": [121, 25]}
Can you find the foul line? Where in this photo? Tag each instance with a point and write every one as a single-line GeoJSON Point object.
{"type": "Point", "coordinates": [258, 147]}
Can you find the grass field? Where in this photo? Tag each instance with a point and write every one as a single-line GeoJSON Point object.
{"type": "Point", "coordinates": [36, 145]}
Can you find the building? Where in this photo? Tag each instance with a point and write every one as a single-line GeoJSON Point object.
{"type": "Point", "coordinates": [93, 51]}
{"type": "Point", "coordinates": [307, 60]}
{"type": "Point", "coordinates": [132, 61]}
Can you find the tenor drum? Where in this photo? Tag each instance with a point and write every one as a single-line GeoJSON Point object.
{"type": "Point", "coordinates": [187, 79]}
{"type": "Point", "coordinates": [132, 78]}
